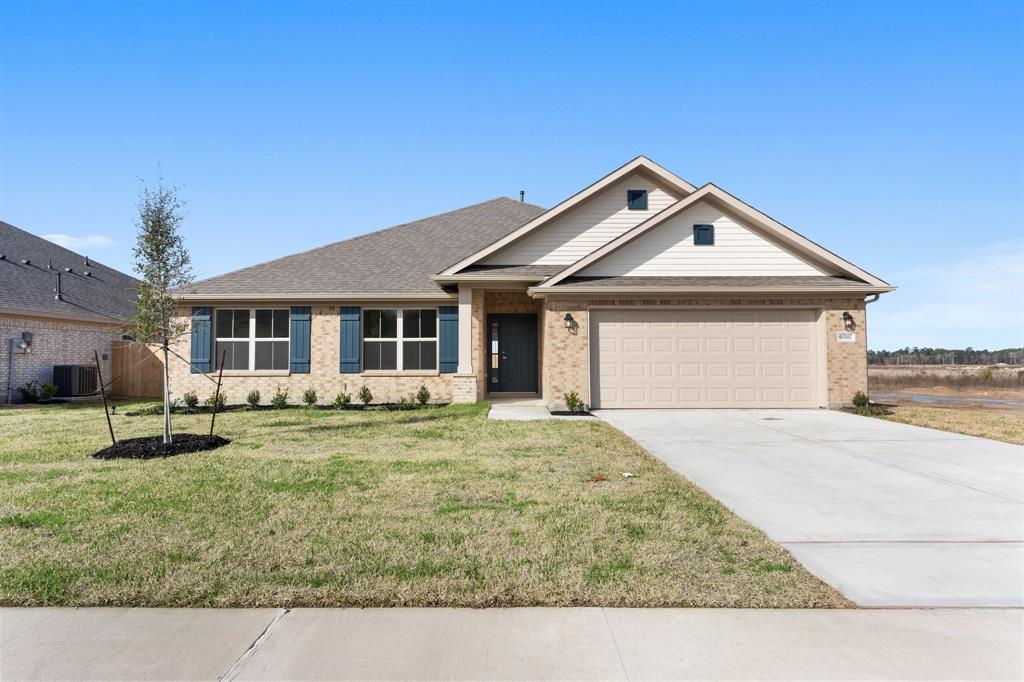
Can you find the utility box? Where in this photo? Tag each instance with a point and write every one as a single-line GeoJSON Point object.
{"type": "Point", "coordinates": [74, 380]}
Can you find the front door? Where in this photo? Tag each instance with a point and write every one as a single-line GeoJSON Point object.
{"type": "Point", "coordinates": [512, 353]}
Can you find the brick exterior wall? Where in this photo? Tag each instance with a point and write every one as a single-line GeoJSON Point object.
{"type": "Point", "coordinates": [54, 342]}
{"type": "Point", "coordinates": [324, 375]}
{"type": "Point", "coordinates": [565, 355]}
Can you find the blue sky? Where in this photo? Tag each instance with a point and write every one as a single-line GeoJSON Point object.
{"type": "Point", "coordinates": [889, 132]}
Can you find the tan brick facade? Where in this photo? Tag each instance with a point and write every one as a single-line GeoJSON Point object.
{"type": "Point", "coordinates": [54, 342]}
{"type": "Point", "coordinates": [325, 376]}
{"type": "Point", "coordinates": [563, 353]}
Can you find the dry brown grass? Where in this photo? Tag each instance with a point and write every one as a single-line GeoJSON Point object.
{"type": "Point", "coordinates": [956, 377]}
{"type": "Point", "coordinates": [432, 507]}
{"type": "Point", "coordinates": [986, 424]}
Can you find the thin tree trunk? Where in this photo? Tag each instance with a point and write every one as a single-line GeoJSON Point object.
{"type": "Point", "coordinates": [167, 397]}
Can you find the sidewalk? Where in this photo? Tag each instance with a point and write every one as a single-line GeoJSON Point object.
{"type": "Point", "coordinates": [544, 643]}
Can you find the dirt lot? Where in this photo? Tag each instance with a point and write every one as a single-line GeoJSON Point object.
{"type": "Point", "coordinates": [999, 388]}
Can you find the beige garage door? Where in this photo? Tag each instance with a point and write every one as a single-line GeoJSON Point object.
{"type": "Point", "coordinates": [704, 358]}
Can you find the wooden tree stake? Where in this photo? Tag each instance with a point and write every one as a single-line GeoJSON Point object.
{"type": "Point", "coordinates": [103, 392]}
{"type": "Point", "coordinates": [216, 394]}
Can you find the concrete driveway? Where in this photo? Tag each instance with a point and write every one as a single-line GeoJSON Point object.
{"type": "Point", "coordinates": [889, 514]}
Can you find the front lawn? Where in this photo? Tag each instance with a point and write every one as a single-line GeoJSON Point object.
{"type": "Point", "coordinates": [1005, 426]}
{"type": "Point", "coordinates": [437, 507]}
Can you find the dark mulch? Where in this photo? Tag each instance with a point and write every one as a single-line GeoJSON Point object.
{"type": "Point", "coordinates": [567, 413]}
{"type": "Point", "coordinates": [153, 446]}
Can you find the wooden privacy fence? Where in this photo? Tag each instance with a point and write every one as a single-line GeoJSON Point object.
{"type": "Point", "coordinates": [136, 371]}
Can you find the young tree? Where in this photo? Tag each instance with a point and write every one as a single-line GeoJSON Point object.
{"type": "Point", "coordinates": [163, 263]}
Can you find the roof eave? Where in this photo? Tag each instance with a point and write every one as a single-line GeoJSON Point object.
{"type": "Point", "coordinates": [98, 319]}
{"type": "Point", "coordinates": [542, 292]}
{"type": "Point", "coordinates": [483, 278]}
{"type": "Point", "coordinates": [344, 296]}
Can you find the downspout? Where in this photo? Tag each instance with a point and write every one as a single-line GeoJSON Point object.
{"type": "Point", "coordinates": [10, 370]}
{"type": "Point", "coordinates": [870, 298]}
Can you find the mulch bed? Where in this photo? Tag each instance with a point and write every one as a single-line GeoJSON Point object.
{"type": "Point", "coordinates": [152, 447]}
{"type": "Point", "coordinates": [567, 413]}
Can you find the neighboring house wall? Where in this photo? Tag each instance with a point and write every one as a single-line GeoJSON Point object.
{"type": "Point", "coordinates": [668, 250]}
{"type": "Point", "coordinates": [565, 354]}
{"type": "Point", "coordinates": [324, 375]}
{"type": "Point", "coordinates": [588, 226]}
{"type": "Point", "coordinates": [54, 342]}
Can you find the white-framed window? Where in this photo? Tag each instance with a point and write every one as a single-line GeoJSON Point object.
{"type": "Point", "coordinates": [252, 338]}
{"type": "Point", "coordinates": [399, 339]}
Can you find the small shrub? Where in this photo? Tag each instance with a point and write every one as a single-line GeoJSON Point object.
{"type": "Point", "coordinates": [573, 403]}
{"type": "Point", "coordinates": [364, 395]}
{"type": "Point", "coordinates": [47, 391]}
{"type": "Point", "coordinates": [985, 376]}
{"type": "Point", "coordinates": [280, 399]}
{"type": "Point", "coordinates": [423, 395]}
{"type": "Point", "coordinates": [309, 397]}
{"type": "Point", "coordinates": [30, 392]}
{"type": "Point", "coordinates": [191, 399]}
{"type": "Point", "coordinates": [253, 399]}
{"type": "Point", "coordinates": [341, 401]}
{"type": "Point", "coordinates": [215, 401]}
{"type": "Point", "coordinates": [405, 403]}
{"type": "Point", "coordinates": [860, 399]}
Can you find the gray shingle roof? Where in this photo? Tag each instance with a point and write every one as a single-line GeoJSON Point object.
{"type": "Point", "coordinates": [740, 283]}
{"type": "Point", "coordinates": [513, 270]}
{"type": "Point", "coordinates": [399, 259]}
{"type": "Point", "coordinates": [104, 294]}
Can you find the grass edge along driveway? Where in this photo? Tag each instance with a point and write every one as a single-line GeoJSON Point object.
{"type": "Point", "coordinates": [432, 507]}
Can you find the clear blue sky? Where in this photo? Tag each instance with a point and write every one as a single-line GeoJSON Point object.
{"type": "Point", "coordinates": [889, 132]}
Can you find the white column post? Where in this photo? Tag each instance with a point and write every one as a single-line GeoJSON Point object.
{"type": "Point", "coordinates": [465, 329]}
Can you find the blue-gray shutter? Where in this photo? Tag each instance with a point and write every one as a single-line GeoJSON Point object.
{"type": "Point", "coordinates": [201, 339]}
{"type": "Point", "coordinates": [298, 362]}
{"type": "Point", "coordinates": [350, 339]}
{"type": "Point", "coordinates": [448, 330]}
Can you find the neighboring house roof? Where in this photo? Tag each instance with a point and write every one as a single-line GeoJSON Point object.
{"type": "Point", "coordinates": [89, 291]}
{"type": "Point", "coordinates": [398, 260]}
{"type": "Point", "coordinates": [640, 164]}
{"type": "Point", "coordinates": [771, 228]}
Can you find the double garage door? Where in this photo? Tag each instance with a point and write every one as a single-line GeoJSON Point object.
{"type": "Point", "coordinates": [704, 358]}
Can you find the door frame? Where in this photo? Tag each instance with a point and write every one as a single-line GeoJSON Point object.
{"type": "Point", "coordinates": [498, 317]}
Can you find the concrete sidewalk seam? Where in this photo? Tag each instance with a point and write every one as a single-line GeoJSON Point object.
{"type": "Point", "coordinates": [604, 614]}
{"type": "Point", "coordinates": [240, 662]}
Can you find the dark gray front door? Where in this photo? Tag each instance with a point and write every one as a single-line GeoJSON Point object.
{"type": "Point", "coordinates": [512, 353]}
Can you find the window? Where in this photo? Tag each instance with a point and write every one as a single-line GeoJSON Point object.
{"type": "Point", "coordinates": [400, 339]}
{"type": "Point", "coordinates": [636, 199]}
{"type": "Point", "coordinates": [704, 235]}
{"type": "Point", "coordinates": [252, 339]}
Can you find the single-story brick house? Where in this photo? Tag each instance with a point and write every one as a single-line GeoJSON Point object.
{"type": "Point", "coordinates": [640, 290]}
{"type": "Point", "coordinates": [57, 307]}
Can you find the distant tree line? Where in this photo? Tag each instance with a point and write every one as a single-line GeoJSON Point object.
{"type": "Point", "coordinates": [946, 356]}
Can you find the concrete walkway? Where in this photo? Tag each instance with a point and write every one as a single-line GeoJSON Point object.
{"type": "Point", "coordinates": [525, 409]}
{"type": "Point", "coordinates": [890, 514]}
{"type": "Point", "coordinates": [501, 644]}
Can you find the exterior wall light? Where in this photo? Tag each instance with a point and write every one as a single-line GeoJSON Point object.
{"type": "Point", "coordinates": [569, 322]}
{"type": "Point", "coordinates": [848, 321]}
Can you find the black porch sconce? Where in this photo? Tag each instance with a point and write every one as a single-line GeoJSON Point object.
{"type": "Point", "coordinates": [848, 321]}
{"type": "Point", "coordinates": [570, 323]}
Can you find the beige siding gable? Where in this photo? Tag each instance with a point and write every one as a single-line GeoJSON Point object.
{"type": "Point", "coordinates": [588, 226]}
{"type": "Point", "coordinates": [668, 250]}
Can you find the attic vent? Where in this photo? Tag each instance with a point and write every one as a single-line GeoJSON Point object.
{"type": "Point", "coordinates": [26, 261]}
{"type": "Point", "coordinates": [636, 199]}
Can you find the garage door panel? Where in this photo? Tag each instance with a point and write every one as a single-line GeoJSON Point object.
{"type": "Point", "coordinates": [711, 358]}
